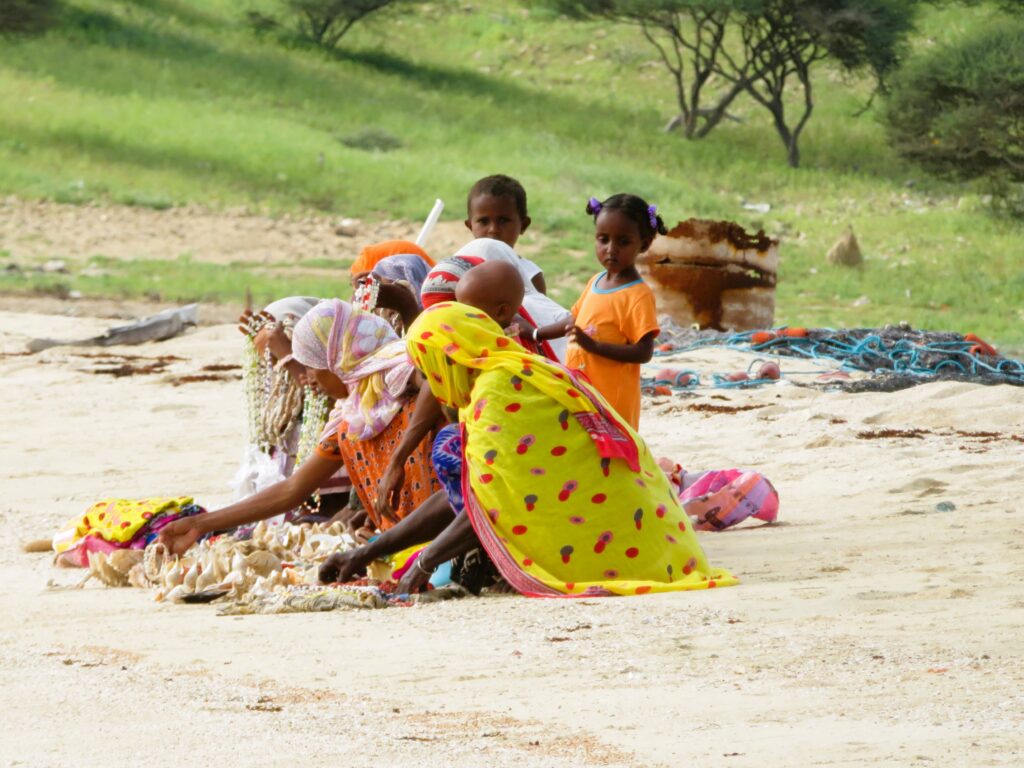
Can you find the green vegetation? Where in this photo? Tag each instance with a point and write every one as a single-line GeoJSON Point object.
{"type": "Point", "coordinates": [163, 102]}
{"type": "Point", "coordinates": [958, 110]}
{"type": "Point", "coordinates": [182, 280]}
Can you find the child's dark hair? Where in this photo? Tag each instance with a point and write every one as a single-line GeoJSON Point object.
{"type": "Point", "coordinates": [646, 216]}
{"type": "Point", "coordinates": [499, 185]}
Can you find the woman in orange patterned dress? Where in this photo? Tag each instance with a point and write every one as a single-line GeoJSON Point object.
{"type": "Point", "coordinates": [357, 359]}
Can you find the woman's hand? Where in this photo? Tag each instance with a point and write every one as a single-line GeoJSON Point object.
{"type": "Point", "coordinates": [272, 336]}
{"type": "Point", "coordinates": [514, 331]}
{"type": "Point", "coordinates": [245, 322]}
{"type": "Point", "coordinates": [351, 519]}
{"type": "Point", "coordinates": [344, 566]}
{"type": "Point", "coordinates": [416, 577]}
{"type": "Point", "coordinates": [181, 535]}
{"type": "Point", "coordinates": [389, 492]}
{"type": "Point", "coordinates": [248, 319]}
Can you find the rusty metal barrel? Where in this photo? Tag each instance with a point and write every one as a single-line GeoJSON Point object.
{"type": "Point", "coordinates": [713, 274]}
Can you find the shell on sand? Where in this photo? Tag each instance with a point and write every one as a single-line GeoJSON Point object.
{"type": "Point", "coordinates": [113, 569]}
{"type": "Point", "coordinates": [237, 565]}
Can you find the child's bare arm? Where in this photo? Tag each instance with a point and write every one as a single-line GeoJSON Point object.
{"type": "Point", "coordinates": [641, 352]}
{"type": "Point", "coordinates": [554, 330]}
{"type": "Point", "coordinates": [539, 283]}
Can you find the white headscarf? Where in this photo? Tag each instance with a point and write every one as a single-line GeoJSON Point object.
{"type": "Point", "coordinates": [296, 306]}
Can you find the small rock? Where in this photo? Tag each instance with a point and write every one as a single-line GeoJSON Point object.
{"type": "Point", "coordinates": [846, 251]}
{"type": "Point", "coordinates": [347, 228]}
{"type": "Point", "coordinates": [863, 301]}
{"type": "Point", "coordinates": [55, 265]}
{"type": "Point", "coordinates": [945, 506]}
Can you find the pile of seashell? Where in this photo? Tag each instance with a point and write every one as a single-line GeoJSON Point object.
{"type": "Point", "coordinates": [274, 556]}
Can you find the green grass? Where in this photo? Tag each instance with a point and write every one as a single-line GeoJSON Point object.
{"type": "Point", "coordinates": [181, 280]}
{"type": "Point", "coordinates": [166, 102]}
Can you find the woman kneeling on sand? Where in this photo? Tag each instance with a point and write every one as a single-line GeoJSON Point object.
{"type": "Point", "coordinates": [357, 359]}
{"type": "Point", "coordinates": [565, 498]}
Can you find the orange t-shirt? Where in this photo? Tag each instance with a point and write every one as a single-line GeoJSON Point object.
{"type": "Point", "coordinates": [622, 315]}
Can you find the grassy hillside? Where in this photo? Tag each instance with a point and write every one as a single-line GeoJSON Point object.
{"type": "Point", "coordinates": [162, 102]}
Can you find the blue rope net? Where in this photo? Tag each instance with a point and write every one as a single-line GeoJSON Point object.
{"type": "Point", "coordinates": [900, 356]}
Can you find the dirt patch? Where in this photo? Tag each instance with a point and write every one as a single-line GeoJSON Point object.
{"type": "Point", "coordinates": [109, 357]}
{"type": "Point", "coordinates": [221, 367]}
{"type": "Point", "coordinates": [195, 378]}
{"type": "Point", "coordinates": [712, 408]}
{"type": "Point", "coordinates": [32, 230]}
{"type": "Point", "coordinates": [128, 369]}
{"type": "Point", "coordinates": [889, 434]}
{"type": "Point", "coordinates": [975, 437]}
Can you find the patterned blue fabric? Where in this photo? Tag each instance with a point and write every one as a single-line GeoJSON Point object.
{"type": "Point", "coordinates": [447, 457]}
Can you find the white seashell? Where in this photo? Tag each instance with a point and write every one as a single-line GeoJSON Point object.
{"type": "Point", "coordinates": [137, 577]}
{"type": "Point", "coordinates": [260, 530]}
{"type": "Point", "coordinates": [123, 560]}
{"type": "Point", "coordinates": [263, 563]}
{"type": "Point", "coordinates": [175, 575]}
{"type": "Point", "coordinates": [238, 562]}
{"type": "Point", "coordinates": [176, 594]}
{"type": "Point", "coordinates": [206, 580]}
{"type": "Point", "coordinates": [101, 569]}
{"type": "Point", "coordinates": [154, 560]}
{"type": "Point", "coordinates": [192, 576]}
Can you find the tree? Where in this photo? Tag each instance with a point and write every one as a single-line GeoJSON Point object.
{"type": "Point", "coordinates": [758, 47]}
{"type": "Point", "coordinates": [958, 111]}
{"type": "Point", "coordinates": [690, 38]}
{"type": "Point", "coordinates": [325, 22]}
{"type": "Point", "coordinates": [784, 39]}
{"type": "Point", "coordinates": [26, 17]}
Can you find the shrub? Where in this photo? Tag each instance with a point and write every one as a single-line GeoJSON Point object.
{"type": "Point", "coordinates": [26, 17]}
{"type": "Point", "coordinates": [325, 22]}
{"type": "Point", "coordinates": [958, 111]}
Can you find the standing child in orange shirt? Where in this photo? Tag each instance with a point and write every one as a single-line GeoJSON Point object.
{"type": "Point", "coordinates": [614, 321]}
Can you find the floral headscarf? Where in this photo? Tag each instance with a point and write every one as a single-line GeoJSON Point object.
{"type": "Point", "coordinates": [364, 352]}
{"type": "Point", "coordinates": [405, 268]}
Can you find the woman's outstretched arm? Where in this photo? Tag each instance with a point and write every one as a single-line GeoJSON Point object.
{"type": "Point", "coordinates": [280, 497]}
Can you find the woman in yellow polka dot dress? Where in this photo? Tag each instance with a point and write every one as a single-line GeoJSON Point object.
{"type": "Point", "coordinates": [566, 499]}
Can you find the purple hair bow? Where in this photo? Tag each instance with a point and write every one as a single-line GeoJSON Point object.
{"type": "Point", "coordinates": [652, 214]}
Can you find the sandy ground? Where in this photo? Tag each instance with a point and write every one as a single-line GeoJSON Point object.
{"type": "Point", "coordinates": [37, 230]}
{"type": "Point", "coordinates": [870, 628]}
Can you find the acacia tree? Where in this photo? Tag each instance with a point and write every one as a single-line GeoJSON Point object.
{"type": "Point", "coordinates": [325, 22]}
{"type": "Point", "coordinates": [690, 38]}
{"type": "Point", "coordinates": [758, 47]}
{"type": "Point", "coordinates": [784, 39]}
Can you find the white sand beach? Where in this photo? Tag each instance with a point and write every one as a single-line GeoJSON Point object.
{"type": "Point", "coordinates": [870, 628]}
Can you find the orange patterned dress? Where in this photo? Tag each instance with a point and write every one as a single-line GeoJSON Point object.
{"type": "Point", "coordinates": [367, 460]}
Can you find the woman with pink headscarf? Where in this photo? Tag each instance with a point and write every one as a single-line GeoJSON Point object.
{"type": "Point", "coordinates": [357, 359]}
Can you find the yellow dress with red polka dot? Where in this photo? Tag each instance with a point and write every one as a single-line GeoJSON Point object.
{"type": "Point", "coordinates": [557, 513]}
